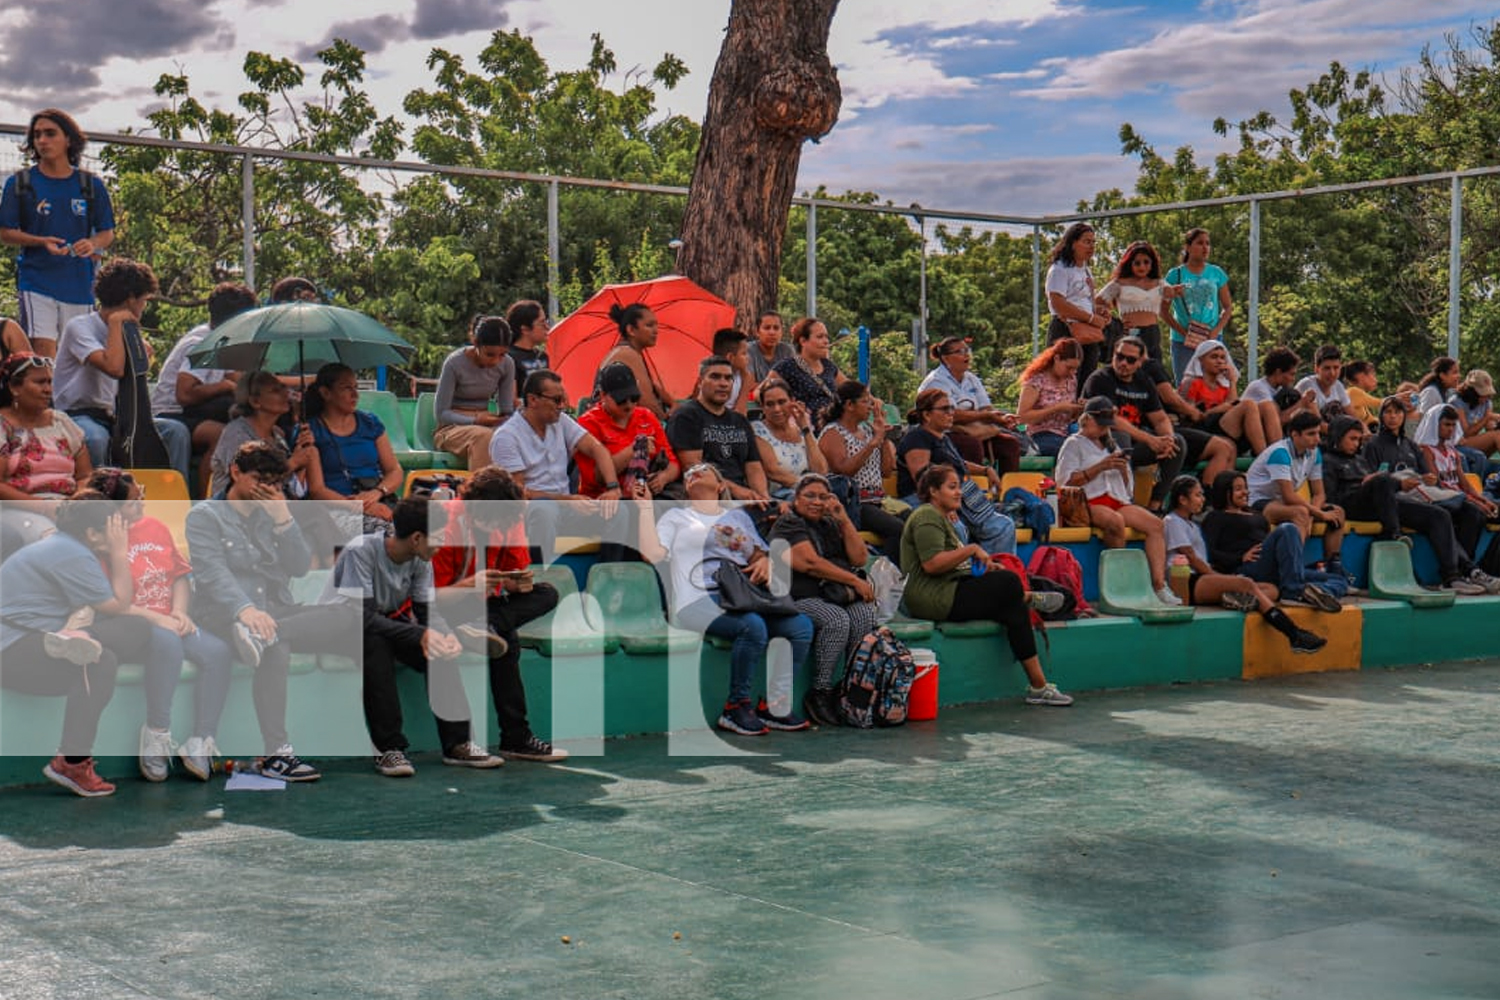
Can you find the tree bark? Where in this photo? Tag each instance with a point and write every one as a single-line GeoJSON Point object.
{"type": "Point", "coordinates": [773, 88]}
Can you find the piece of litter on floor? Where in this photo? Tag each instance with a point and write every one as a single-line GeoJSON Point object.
{"type": "Point", "coordinates": [215, 813]}
{"type": "Point", "coordinates": [453, 791]}
{"type": "Point", "coordinates": [249, 781]}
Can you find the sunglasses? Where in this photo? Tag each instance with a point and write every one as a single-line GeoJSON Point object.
{"type": "Point", "coordinates": [945, 408]}
{"type": "Point", "coordinates": [1129, 359]}
{"type": "Point", "coordinates": [20, 362]}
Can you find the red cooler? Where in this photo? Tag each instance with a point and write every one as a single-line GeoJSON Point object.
{"type": "Point", "coordinates": [922, 702]}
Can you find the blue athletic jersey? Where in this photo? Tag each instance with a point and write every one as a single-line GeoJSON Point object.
{"type": "Point", "coordinates": [58, 209]}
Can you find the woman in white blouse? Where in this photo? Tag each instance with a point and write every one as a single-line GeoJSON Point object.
{"type": "Point", "coordinates": [1137, 291]}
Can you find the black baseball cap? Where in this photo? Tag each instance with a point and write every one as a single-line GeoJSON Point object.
{"type": "Point", "coordinates": [1101, 409]}
{"type": "Point", "coordinates": [618, 382]}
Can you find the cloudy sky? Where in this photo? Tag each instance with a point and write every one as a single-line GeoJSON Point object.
{"type": "Point", "coordinates": [992, 105]}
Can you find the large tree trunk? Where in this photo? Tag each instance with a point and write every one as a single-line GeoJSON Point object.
{"type": "Point", "coordinates": [773, 89]}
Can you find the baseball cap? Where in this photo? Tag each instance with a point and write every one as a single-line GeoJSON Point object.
{"type": "Point", "coordinates": [1101, 409]}
{"type": "Point", "coordinates": [618, 382]}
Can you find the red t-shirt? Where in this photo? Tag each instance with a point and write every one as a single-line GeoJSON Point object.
{"type": "Point", "coordinates": [155, 564]}
{"type": "Point", "coordinates": [598, 423]}
{"type": "Point", "coordinates": [1207, 395]}
{"type": "Point", "coordinates": [456, 560]}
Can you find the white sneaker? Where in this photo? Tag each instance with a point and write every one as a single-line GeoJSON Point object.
{"type": "Point", "coordinates": [155, 757]}
{"type": "Point", "coordinates": [1490, 584]}
{"type": "Point", "coordinates": [198, 755]}
{"type": "Point", "coordinates": [1048, 695]}
{"type": "Point", "coordinates": [1165, 594]}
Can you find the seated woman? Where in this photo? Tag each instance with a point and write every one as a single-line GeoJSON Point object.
{"type": "Point", "coordinates": [1209, 384]}
{"type": "Point", "coordinates": [948, 581]}
{"type": "Point", "coordinates": [1049, 395]}
{"type": "Point", "coordinates": [784, 439]}
{"type": "Point", "coordinates": [811, 375]}
{"type": "Point", "coordinates": [355, 458]}
{"type": "Point", "coordinates": [42, 451]}
{"type": "Point", "coordinates": [1207, 586]}
{"type": "Point", "coordinates": [1091, 460]}
{"type": "Point", "coordinates": [1240, 540]}
{"type": "Point", "coordinates": [695, 539]}
{"type": "Point", "coordinates": [162, 596]}
{"type": "Point", "coordinates": [981, 431]}
{"type": "Point", "coordinates": [470, 378]}
{"type": "Point", "coordinates": [864, 453]}
{"type": "Point", "coordinates": [44, 584]}
{"type": "Point", "coordinates": [261, 400]}
{"type": "Point", "coordinates": [929, 442]}
{"type": "Point", "coordinates": [1438, 435]}
{"type": "Point", "coordinates": [1478, 421]}
{"type": "Point", "coordinates": [826, 550]}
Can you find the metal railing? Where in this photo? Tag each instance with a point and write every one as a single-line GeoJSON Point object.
{"type": "Point", "coordinates": [916, 213]}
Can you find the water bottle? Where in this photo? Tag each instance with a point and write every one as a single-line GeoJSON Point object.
{"type": "Point", "coordinates": [1179, 574]}
{"type": "Point", "coordinates": [442, 492]}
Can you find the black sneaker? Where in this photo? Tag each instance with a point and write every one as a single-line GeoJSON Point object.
{"type": "Point", "coordinates": [533, 748]}
{"type": "Point", "coordinates": [1304, 641]}
{"type": "Point", "coordinates": [286, 765]}
{"type": "Point", "coordinates": [247, 646]}
{"type": "Point", "coordinates": [791, 722]}
{"type": "Point", "coordinates": [739, 717]}
{"type": "Point", "coordinates": [822, 706]}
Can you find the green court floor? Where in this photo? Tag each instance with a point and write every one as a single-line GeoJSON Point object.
{"type": "Point", "coordinates": [1323, 837]}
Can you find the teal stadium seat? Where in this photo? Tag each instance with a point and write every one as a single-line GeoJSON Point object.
{"type": "Point", "coordinates": [568, 630]}
{"type": "Point", "coordinates": [628, 602]}
{"type": "Point", "coordinates": [384, 405]}
{"type": "Point", "coordinates": [1392, 577]}
{"type": "Point", "coordinates": [1125, 589]}
{"type": "Point", "coordinates": [424, 426]}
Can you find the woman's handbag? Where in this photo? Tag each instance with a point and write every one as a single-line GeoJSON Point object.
{"type": "Point", "coordinates": [978, 507]}
{"type": "Point", "coordinates": [1072, 507]}
{"type": "Point", "coordinates": [738, 594]}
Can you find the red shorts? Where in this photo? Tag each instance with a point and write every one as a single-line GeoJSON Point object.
{"type": "Point", "coordinates": [1106, 501]}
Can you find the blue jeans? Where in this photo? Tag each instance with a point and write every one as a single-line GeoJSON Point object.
{"type": "Point", "coordinates": [751, 635]}
{"type": "Point", "coordinates": [174, 434]}
{"type": "Point", "coordinates": [1048, 443]}
{"type": "Point", "coordinates": [1181, 355]}
{"type": "Point", "coordinates": [164, 659]}
{"type": "Point", "coordinates": [1280, 561]}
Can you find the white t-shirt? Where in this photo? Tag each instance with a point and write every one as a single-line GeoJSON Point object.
{"type": "Point", "coordinates": [1184, 534]}
{"type": "Point", "coordinates": [696, 541]}
{"type": "Point", "coordinates": [1259, 391]}
{"type": "Point", "coordinates": [543, 460]}
{"type": "Point", "coordinates": [1336, 394]}
{"type": "Point", "coordinates": [164, 395]}
{"type": "Point", "coordinates": [1075, 284]}
{"type": "Point", "coordinates": [1279, 463]}
{"type": "Point", "coordinates": [76, 384]}
{"type": "Point", "coordinates": [967, 393]}
{"type": "Point", "coordinates": [1078, 453]}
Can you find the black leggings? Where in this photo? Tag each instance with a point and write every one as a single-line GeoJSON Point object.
{"type": "Point", "coordinates": [874, 518]}
{"type": "Point", "coordinates": [998, 597]}
{"type": "Point", "coordinates": [26, 668]}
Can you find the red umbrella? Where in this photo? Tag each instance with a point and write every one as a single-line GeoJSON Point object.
{"type": "Point", "coordinates": [686, 316]}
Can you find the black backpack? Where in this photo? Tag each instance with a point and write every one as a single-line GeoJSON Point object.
{"type": "Point", "coordinates": [26, 192]}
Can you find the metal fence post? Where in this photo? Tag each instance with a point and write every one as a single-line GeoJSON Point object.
{"type": "Point", "coordinates": [1252, 318]}
{"type": "Point", "coordinates": [922, 298]}
{"type": "Point", "coordinates": [247, 216]}
{"type": "Point", "coordinates": [812, 259]}
{"type": "Point", "coordinates": [1036, 290]}
{"type": "Point", "coordinates": [1455, 261]}
{"type": "Point", "coordinates": [554, 243]}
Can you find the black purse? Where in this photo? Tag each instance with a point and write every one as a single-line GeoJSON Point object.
{"type": "Point", "coordinates": [737, 593]}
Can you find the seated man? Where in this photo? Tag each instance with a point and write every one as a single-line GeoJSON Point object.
{"type": "Point", "coordinates": [735, 346]}
{"type": "Point", "coordinates": [487, 518]}
{"type": "Point", "coordinates": [245, 550]}
{"type": "Point", "coordinates": [705, 429]}
{"type": "Point", "coordinates": [1323, 383]}
{"type": "Point", "coordinates": [91, 358]}
{"type": "Point", "coordinates": [534, 446]}
{"type": "Point", "coordinates": [1281, 471]}
{"type": "Point", "coordinates": [390, 578]}
{"type": "Point", "coordinates": [1275, 387]}
{"type": "Point", "coordinates": [1137, 407]}
{"type": "Point", "coordinates": [200, 398]}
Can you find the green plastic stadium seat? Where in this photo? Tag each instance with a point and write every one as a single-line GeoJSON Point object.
{"type": "Point", "coordinates": [628, 602]}
{"type": "Point", "coordinates": [384, 405]}
{"type": "Point", "coordinates": [1125, 589]}
{"type": "Point", "coordinates": [910, 630]}
{"type": "Point", "coordinates": [567, 630]}
{"type": "Point", "coordinates": [1391, 577]}
{"type": "Point", "coordinates": [424, 426]}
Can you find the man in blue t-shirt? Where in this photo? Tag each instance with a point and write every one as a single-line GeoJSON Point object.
{"type": "Point", "coordinates": [61, 218]}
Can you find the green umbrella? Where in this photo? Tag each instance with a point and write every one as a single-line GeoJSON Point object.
{"type": "Point", "coordinates": [297, 338]}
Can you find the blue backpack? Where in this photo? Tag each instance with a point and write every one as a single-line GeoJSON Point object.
{"type": "Point", "coordinates": [877, 682]}
{"type": "Point", "coordinates": [1029, 511]}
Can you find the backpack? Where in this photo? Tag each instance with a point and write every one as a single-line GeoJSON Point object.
{"type": "Point", "coordinates": [1028, 511]}
{"type": "Point", "coordinates": [26, 195]}
{"type": "Point", "coordinates": [435, 482]}
{"type": "Point", "coordinates": [1058, 565]}
{"type": "Point", "coordinates": [877, 682]}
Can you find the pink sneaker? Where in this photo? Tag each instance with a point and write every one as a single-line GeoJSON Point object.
{"type": "Point", "coordinates": [79, 778]}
